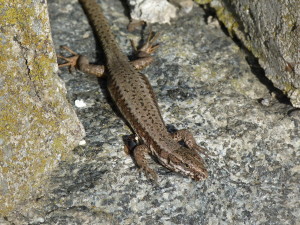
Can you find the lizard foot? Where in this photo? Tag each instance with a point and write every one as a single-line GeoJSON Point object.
{"type": "Point", "coordinates": [71, 61]}
{"type": "Point", "coordinates": [189, 140]}
{"type": "Point", "coordinates": [148, 48]}
{"type": "Point", "coordinates": [150, 173]}
{"type": "Point", "coordinates": [143, 53]}
{"type": "Point", "coordinates": [140, 153]}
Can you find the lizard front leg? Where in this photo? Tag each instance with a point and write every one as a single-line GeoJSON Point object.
{"type": "Point", "coordinates": [139, 153]}
{"type": "Point", "coordinates": [188, 138]}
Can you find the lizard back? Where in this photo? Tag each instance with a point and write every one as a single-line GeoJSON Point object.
{"type": "Point", "coordinates": [130, 89]}
{"type": "Point", "coordinates": [133, 94]}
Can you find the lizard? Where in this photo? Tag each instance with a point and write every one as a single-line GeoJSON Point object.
{"type": "Point", "coordinates": [132, 93]}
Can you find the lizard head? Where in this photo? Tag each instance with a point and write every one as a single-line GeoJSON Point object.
{"type": "Point", "coordinates": [187, 162]}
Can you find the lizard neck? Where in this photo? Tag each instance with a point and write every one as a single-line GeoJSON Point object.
{"type": "Point", "coordinates": [103, 32]}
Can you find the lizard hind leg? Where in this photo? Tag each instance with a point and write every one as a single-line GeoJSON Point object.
{"type": "Point", "coordinates": [71, 61]}
{"type": "Point", "coordinates": [143, 54]}
{"type": "Point", "coordinates": [149, 47]}
{"type": "Point", "coordinates": [81, 63]}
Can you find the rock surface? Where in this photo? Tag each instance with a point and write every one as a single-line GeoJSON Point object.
{"type": "Point", "coordinates": [268, 29]}
{"type": "Point", "coordinates": [154, 11]}
{"type": "Point", "coordinates": [203, 83]}
{"type": "Point", "coordinates": [271, 31]}
{"type": "Point", "coordinates": [38, 127]}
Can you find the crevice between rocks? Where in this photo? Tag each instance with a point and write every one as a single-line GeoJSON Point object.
{"type": "Point", "coordinates": [252, 61]}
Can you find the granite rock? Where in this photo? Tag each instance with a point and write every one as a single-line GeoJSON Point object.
{"type": "Point", "coordinates": [268, 29]}
{"type": "Point", "coordinates": [203, 82]}
{"type": "Point", "coordinates": [271, 31]}
{"type": "Point", "coordinates": [38, 127]}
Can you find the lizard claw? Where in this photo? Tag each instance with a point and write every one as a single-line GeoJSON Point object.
{"type": "Point", "coordinates": [148, 48]}
{"type": "Point", "coordinates": [150, 173]}
{"type": "Point", "coordinates": [203, 151]}
{"type": "Point", "coordinates": [186, 136]}
{"type": "Point", "coordinates": [71, 61]}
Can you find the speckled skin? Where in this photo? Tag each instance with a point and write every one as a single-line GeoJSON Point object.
{"type": "Point", "coordinates": [134, 96]}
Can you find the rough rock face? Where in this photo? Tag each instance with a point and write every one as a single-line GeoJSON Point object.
{"type": "Point", "coordinates": [270, 30]}
{"type": "Point", "coordinates": [155, 11]}
{"type": "Point", "coordinates": [38, 127]}
{"type": "Point", "coordinates": [203, 83]}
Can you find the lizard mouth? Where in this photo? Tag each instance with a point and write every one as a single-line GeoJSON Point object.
{"type": "Point", "coordinates": [196, 174]}
{"type": "Point", "coordinates": [192, 173]}
{"type": "Point", "coordinates": [200, 176]}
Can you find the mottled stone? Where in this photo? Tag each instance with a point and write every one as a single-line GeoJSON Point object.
{"type": "Point", "coordinates": [154, 11]}
{"type": "Point", "coordinates": [38, 127]}
{"type": "Point", "coordinates": [270, 30]}
{"type": "Point", "coordinates": [204, 83]}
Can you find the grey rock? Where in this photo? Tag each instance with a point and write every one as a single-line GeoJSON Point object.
{"type": "Point", "coordinates": [154, 11]}
{"type": "Point", "coordinates": [159, 11]}
{"type": "Point", "coordinates": [271, 31]}
{"type": "Point", "coordinates": [204, 83]}
{"type": "Point", "coordinates": [38, 127]}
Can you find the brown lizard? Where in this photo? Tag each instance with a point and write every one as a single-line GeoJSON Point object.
{"type": "Point", "coordinates": [134, 97]}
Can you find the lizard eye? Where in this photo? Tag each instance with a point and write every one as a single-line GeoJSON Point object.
{"type": "Point", "coordinates": [186, 165]}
